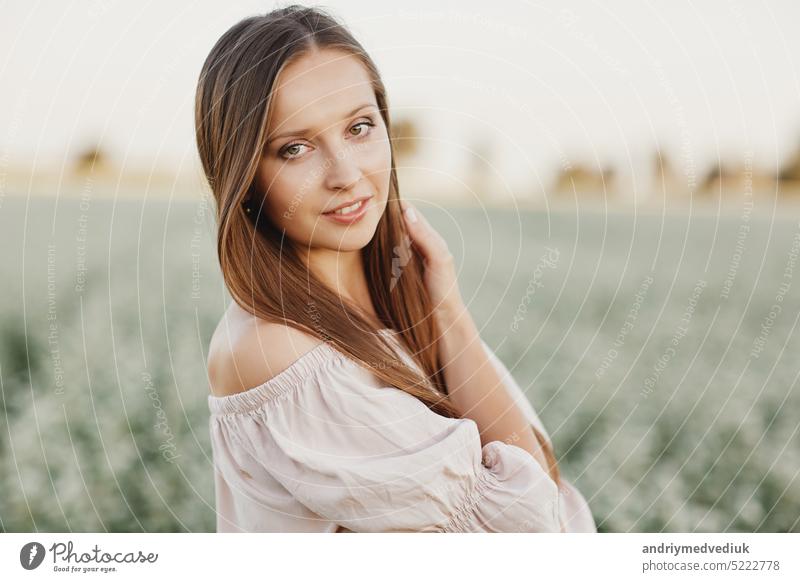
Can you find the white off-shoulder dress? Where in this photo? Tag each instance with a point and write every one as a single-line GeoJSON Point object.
{"type": "Point", "coordinates": [324, 447]}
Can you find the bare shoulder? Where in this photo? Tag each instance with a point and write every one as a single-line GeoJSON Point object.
{"type": "Point", "coordinates": [245, 351]}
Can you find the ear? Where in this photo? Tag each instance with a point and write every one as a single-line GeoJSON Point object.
{"type": "Point", "coordinates": [250, 204]}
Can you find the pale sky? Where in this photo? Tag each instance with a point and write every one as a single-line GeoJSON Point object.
{"type": "Point", "coordinates": [530, 85]}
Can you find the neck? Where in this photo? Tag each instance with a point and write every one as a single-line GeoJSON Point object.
{"type": "Point", "coordinates": [344, 273]}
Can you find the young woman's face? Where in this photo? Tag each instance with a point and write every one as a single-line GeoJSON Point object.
{"type": "Point", "coordinates": [328, 146]}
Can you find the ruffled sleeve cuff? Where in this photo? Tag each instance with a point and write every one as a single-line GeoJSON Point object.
{"type": "Point", "coordinates": [511, 494]}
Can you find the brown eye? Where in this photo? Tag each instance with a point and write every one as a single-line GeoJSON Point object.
{"type": "Point", "coordinates": [291, 150]}
{"type": "Point", "coordinates": [361, 133]}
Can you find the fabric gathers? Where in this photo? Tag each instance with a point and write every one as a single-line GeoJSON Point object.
{"type": "Point", "coordinates": [324, 447]}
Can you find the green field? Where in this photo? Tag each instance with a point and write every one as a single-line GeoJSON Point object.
{"type": "Point", "coordinates": [646, 343]}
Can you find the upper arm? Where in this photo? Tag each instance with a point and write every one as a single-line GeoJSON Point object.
{"type": "Point", "coordinates": [248, 355]}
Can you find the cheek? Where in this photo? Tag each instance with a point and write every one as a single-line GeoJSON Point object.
{"type": "Point", "coordinates": [290, 191]}
{"type": "Point", "coordinates": [377, 164]}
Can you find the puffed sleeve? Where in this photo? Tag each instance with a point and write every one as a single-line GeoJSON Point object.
{"type": "Point", "coordinates": [376, 459]}
{"type": "Point", "coordinates": [576, 515]}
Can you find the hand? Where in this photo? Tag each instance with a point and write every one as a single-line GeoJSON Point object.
{"type": "Point", "coordinates": [440, 273]}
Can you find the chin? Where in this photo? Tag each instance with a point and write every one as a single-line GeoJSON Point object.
{"type": "Point", "coordinates": [354, 239]}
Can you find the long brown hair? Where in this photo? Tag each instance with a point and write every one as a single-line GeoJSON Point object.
{"type": "Point", "coordinates": [261, 268]}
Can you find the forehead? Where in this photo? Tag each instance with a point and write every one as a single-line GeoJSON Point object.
{"type": "Point", "coordinates": [315, 90]}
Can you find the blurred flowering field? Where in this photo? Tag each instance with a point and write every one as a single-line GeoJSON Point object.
{"type": "Point", "coordinates": [659, 349]}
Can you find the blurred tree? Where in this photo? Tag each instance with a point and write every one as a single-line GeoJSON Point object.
{"type": "Point", "coordinates": [663, 170]}
{"type": "Point", "coordinates": [585, 180]}
{"type": "Point", "coordinates": [714, 178]}
{"type": "Point", "coordinates": [92, 159]}
{"type": "Point", "coordinates": [405, 137]}
{"type": "Point", "coordinates": [790, 172]}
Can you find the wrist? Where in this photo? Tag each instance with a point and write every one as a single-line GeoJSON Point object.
{"type": "Point", "coordinates": [454, 318]}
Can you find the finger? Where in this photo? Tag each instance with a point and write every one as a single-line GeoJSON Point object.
{"type": "Point", "coordinates": [410, 213]}
{"type": "Point", "coordinates": [404, 206]}
{"type": "Point", "coordinates": [428, 241]}
{"type": "Point", "coordinates": [415, 227]}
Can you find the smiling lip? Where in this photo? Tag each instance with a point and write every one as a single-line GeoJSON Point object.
{"type": "Point", "coordinates": [346, 204]}
{"type": "Point", "coordinates": [353, 216]}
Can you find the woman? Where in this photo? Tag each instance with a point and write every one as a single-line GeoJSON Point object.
{"type": "Point", "coordinates": [350, 388]}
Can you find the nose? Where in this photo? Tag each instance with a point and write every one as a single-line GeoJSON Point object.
{"type": "Point", "coordinates": [343, 171]}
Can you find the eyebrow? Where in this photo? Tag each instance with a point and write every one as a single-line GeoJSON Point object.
{"type": "Point", "coordinates": [306, 131]}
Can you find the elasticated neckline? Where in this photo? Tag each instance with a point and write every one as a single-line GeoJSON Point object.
{"type": "Point", "coordinates": [288, 379]}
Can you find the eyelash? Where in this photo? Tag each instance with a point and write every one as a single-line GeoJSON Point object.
{"type": "Point", "coordinates": [368, 123]}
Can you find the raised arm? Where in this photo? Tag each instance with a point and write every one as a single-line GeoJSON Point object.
{"type": "Point", "coordinates": [474, 385]}
{"type": "Point", "coordinates": [477, 390]}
